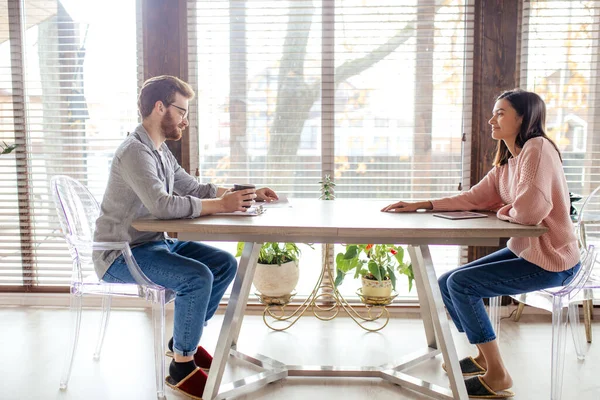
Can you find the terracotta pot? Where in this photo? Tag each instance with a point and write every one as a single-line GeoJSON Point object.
{"type": "Point", "coordinates": [276, 280]}
{"type": "Point", "coordinates": [374, 288]}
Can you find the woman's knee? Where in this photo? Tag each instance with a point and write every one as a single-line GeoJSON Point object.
{"type": "Point", "coordinates": [443, 281]}
{"type": "Point", "coordinates": [458, 282]}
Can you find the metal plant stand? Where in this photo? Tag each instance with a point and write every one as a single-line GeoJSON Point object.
{"type": "Point", "coordinates": [325, 302]}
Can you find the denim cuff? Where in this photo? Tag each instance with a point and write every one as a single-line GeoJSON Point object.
{"type": "Point", "coordinates": [185, 353]}
{"type": "Point", "coordinates": [486, 340]}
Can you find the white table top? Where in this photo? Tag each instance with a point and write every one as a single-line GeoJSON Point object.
{"type": "Point", "coordinates": [342, 221]}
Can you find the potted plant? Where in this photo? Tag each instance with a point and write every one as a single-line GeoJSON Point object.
{"type": "Point", "coordinates": [276, 272]}
{"type": "Point", "coordinates": [327, 193]}
{"type": "Point", "coordinates": [376, 265]}
{"type": "Point", "coordinates": [327, 188]}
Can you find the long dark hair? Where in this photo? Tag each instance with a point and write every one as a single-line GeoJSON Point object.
{"type": "Point", "coordinates": [532, 109]}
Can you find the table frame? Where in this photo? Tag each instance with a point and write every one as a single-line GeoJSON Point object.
{"type": "Point", "coordinates": [435, 322]}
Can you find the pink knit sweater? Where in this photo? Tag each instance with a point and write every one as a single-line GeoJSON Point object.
{"type": "Point", "coordinates": [530, 189]}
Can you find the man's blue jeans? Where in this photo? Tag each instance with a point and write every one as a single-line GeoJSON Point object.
{"type": "Point", "coordinates": [199, 275]}
{"type": "Point", "coordinates": [499, 274]}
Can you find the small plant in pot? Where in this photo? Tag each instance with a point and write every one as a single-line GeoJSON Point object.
{"type": "Point", "coordinates": [276, 272]}
{"type": "Point", "coordinates": [377, 265]}
{"type": "Point", "coordinates": [328, 193]}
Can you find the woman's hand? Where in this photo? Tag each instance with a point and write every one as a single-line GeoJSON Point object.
{"type": "Point", "coordinates": [403, 206]}
{"type": "Point", "coordinates": [266, 194]}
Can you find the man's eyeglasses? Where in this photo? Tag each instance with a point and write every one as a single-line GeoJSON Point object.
{"type": "Point", "coordinates": [185, 112]}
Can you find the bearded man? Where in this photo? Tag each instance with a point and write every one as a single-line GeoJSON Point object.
{"type": "Point", "coordinates": [146, 179]}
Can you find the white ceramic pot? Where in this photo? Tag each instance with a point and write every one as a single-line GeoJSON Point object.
{"type": "Point", "coordinates": [374, 288]}
{"type": "Point", "coordinates": [276, 280]}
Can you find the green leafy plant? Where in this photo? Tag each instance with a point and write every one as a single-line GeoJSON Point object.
{"type": "Point", "coordinates": [274, 253]}
{"type": "Point", "coordinates": [7, 148]}
{"type": "Point", "coordinates": [327, 188]}
{"type": "Point", "coordinates": [377, 262]}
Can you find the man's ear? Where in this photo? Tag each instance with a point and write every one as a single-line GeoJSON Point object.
{"type": "Point", "coordinates": [159, 106]}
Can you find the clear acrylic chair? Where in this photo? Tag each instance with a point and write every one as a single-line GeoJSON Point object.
{"type": "Point", "coordinates": [588, 225]}
{"type": "Point", "coordinates": [77, 211]}
{"type": "Point", "coordinates": [587, 229]}
{"type": "Point", "coordinates": [578, 291]}
{"type": "Point", "coordinates": [557, 301]}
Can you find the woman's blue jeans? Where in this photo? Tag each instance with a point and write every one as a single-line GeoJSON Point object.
{"type": "Point", "coordinates": [499, 274]}
{"type": "Point", "coordinates": [198, 274]}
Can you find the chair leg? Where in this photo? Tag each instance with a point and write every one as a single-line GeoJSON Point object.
{"type": "Point", "coordinates": [519, 312]}
{"type": "Point", "coordinates": [587, 318]}
{"type": "Point", "coordinates": [494, 314]}
{"type": "Point", "coordinates": [73, 340]}
{"type": "Point", "coordinates": [158, 318]}
{"type": "Point", "coordinates": [575, 330]}
{"type": "Point", "coordinates": [106, 300]}
{"type": "Point", "coordinates": [559, 326]}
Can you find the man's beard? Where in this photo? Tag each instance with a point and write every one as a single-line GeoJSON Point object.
{"type": "Point", "coordinates": [169, 128]}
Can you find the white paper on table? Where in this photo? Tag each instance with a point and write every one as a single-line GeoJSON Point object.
{"type": "Point", "coordinates": [282, 202]}
{"type": "Point", "coordinates": [252, 211]}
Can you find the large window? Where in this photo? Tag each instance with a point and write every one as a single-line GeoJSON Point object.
{"type": "Point", "coordinates": [559, 60]}
{"type": "Point", "coordinates": [68, 89]}
{"type": "Point", "coordinates": [373, 93]}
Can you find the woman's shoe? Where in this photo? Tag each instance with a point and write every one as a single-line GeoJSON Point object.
{"type": "Point", "coordinates": [469, 367]}
{"type": "Point", "coordinates": [478, 389]}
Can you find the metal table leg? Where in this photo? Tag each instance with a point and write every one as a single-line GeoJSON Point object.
{"type": "Point", "coordinates": [233, 318]}
{"type": "Point", "coordinates": [421, 261]}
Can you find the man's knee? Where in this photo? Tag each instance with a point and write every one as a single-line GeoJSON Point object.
{"type": "Point", "coordinates": [198, 279]}
{"type": "Point", "coordinates": [227, 265]}
{"type": "Point", "coordinates": [232, 264]}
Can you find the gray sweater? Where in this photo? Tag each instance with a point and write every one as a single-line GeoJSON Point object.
{"type": "Point", "coordinates": [142, 183]}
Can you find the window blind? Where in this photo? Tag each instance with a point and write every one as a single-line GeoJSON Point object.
{"type": "Point", "coordinates": [69, 83]}
{"type": "Point", "coordinates": [394, 76]}
{"type": "Point", "coordinates": [402, 105]}
{"type": "Point", "coordinates": [374, 93]}
{"type": "Point", "coordinates": [559, 61]}
{"type": "Point", "coordinates": [11, 117]}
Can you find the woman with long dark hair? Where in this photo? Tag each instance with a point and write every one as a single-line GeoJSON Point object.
{"type": "Point", "coordinates": [526, 186]}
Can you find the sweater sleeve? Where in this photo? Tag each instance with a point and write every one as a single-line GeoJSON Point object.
{"type": "Point", "coordinates": [185, 185]}
{"type": "Point", "coordinates": [138, 170]}
{"type": "Point", "coordinates": [533, 196]}
{"type": "Point", "coordinates": [483, 196]}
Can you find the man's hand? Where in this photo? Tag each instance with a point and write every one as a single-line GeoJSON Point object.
{"type": "Point", "coordinates": [266, 194]}
{"type": "Point", "coordinates": [237, 201]}
{"type": "Point", "coordinates": [403, 206]}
